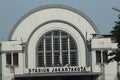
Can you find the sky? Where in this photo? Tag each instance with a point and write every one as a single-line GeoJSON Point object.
{"type": "Point", "coordinates": [99, 11]}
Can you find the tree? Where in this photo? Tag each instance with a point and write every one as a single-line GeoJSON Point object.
{"type": "Point", "coordinates": [116, 31]}
{"type": "Point", "coordinates": [115, 55]}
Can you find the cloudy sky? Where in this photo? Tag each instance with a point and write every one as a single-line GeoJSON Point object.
{"type": "Point", "coordinates": [100, 11]}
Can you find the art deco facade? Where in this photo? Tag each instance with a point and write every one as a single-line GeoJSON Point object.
{"type": "Point", "coordinates": [56, 42]}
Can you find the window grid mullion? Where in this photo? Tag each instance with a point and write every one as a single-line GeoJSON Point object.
{"type": "Point", "coordinates": [52, 49]}
{"type": "Point", "coordinates": [60, 48]}
{"type": "Point", "coordinates": [68, 50]}
{"type": "Point", "coordinates": [44, 50]}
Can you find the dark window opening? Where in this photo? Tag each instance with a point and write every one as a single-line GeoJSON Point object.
{"type": "Point", "coordinates": [8, 58]}
{"type": "Point", "coordinates": [98, 56]}
{"type": "Point", "coordinates": [12, 59]}
{"type": "Point", "coordinates": [101, 56]}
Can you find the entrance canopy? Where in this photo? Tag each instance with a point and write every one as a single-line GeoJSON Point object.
{"type": "Point", "coordinates": [60, 74]}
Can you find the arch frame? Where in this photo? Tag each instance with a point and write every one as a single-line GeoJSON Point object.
{"type": "Point", "coordinates": [42, 29]}
{"type": "Point", "coordinates": [53, 6]}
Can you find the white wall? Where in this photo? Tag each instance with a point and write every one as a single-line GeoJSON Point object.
{"type": "Point", "coordinates": [11, 46]}
{"type": "Point", "coordinates": [30, 29]}
{"type": "Point", "coordinates": [110, 69]}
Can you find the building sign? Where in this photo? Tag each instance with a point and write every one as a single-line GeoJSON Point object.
{"type": "Point", "coordinates": [59, 69]}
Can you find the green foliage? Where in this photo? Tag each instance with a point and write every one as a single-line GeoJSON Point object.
{"type": "Point", "coordinates": [115, 55]}
{"type": "Point", "coordinates": [116, 31]}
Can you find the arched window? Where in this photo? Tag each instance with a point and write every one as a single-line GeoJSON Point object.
{"type": "Point", "coordinates": [56, 48]}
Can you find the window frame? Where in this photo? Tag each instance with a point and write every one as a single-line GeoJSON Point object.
{"type": "Point", "coordinates": [58, 37]}
{"type": "Point", "coordinates": [103, 56]}
{"type": "Point", "coordinates": [14, 59]}
{"type": "Point", "coordinates": [8, 59]}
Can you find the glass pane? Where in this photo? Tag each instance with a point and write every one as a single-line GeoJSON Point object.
{"type": "Point", "coordinates": [56, 33]}
{"type": "Point", "coordinates": [48, 43]}
{"type": "Point", "coordinates": [63, 34]}
{"type": "Point", "coordinates": [49, 59]}
{"type": "Point", "coordinates": [8, 58]}
{"type": "Point", "coordinates": [15, 59]}
{"type": "Point", "coordinates": [73, 58]}
{"type": "Point", "coordinates": [64, 44]}
{"type": "Point", "coordinates": [65, 58]}
{"type": "Point", "coordinates": [56, 58]}
{"type": "Point", "coordinates": [48, 34]}
{"type": "Point", "coordinates": [72, 44]}
{"type": "Point", "coordinates": [40, 45]}
{"type": "Point", "coordinates": [98, 56]}
{"type": "Point", "coordinates": [40, 59]}
{"type": "Point", "coordinates": [56, 44]}
{"type": "Point", "coordinates": [105, 56]}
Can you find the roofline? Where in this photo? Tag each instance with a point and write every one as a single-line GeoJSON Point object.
{"type": "Point", "coordinates": [52, 6]}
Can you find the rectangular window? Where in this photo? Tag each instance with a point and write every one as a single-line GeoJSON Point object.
{"type": "Point", "coordinates": [15, 59]}
{"type": "Point", "coordinates": [8, 58]}
{"type": "Point", "coordinates": [101, 56]}
{"type": "Point", "coordinates": [105, 56]}
{"type": "Point", "coordinates": [12, 59]}
{"type": "Point", "coordinates": [98, 56]}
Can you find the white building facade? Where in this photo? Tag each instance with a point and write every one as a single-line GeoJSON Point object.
{"type": "Point", "coordinates": [54, 42]}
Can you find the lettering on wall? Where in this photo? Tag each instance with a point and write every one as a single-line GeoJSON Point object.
{"type": "Point", "coordinates": [59, 69]}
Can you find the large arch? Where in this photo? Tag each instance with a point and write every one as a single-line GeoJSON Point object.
{"type": "Point", "coordinates": [35, 23]}
{"type": "Point", "coordinates": [48, 7]}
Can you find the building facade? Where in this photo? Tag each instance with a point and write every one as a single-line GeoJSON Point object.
{"type": "Point", "coordinates": [55, 42]}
